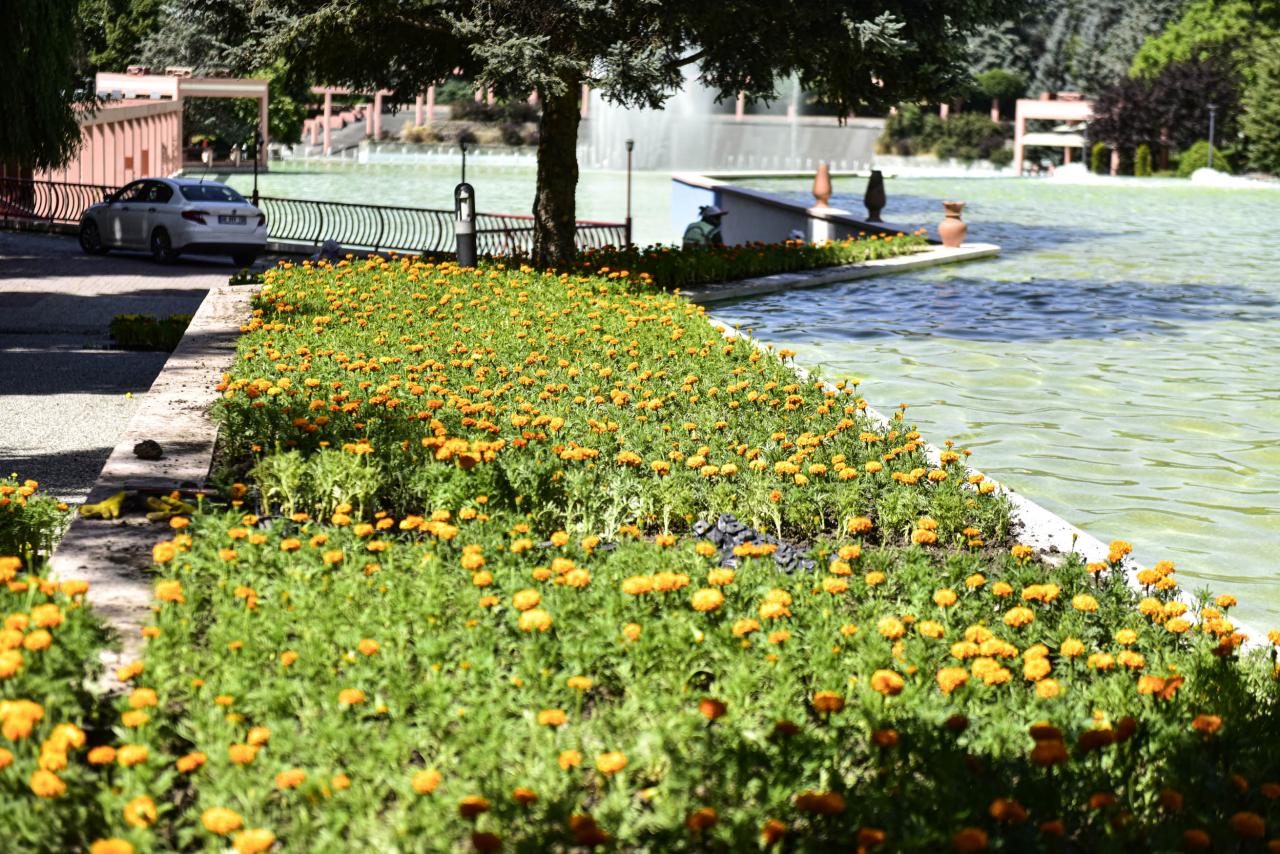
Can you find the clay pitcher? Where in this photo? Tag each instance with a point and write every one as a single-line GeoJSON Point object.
{"type": "Point", "coordinates": [874, 198]}
{"type": "Point", "coordinates": [952, 229]}
{"type": "Point", "coordinates": [822, 186]}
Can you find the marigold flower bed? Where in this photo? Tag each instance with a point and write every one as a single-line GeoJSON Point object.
{"type": "Point", "coordinates": [456, 603]}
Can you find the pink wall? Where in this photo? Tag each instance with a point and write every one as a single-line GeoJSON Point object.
{"type": "Point", "coordinates": [125, 140]}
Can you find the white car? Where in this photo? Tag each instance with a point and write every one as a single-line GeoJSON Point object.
{"type": "Point", "coordinates": [168, 216]}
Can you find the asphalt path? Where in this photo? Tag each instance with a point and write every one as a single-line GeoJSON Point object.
{"type": "Point", "coordinates": [65, 393]}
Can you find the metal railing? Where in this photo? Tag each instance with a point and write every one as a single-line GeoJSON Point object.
{"type": "Point", "coordinates": [47, 201]}
{"type": "Point", "coordinates": [306, 221]}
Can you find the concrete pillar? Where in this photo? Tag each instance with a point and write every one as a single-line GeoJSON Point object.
{"type": "Point", "coordinates": [1115, 161]}
{"type": "Point", "coordinates": [1019, 128]}
{"type": "Point", "coordinates": [995, 109]}
{"type": "Point", "coordinates": [586, 100]}
{"type": "Point", "coordinates": [368, 121]}
{"type": "Point", "coordinates": [377, 115]}
{"type": "Point", "coordinates": [417, 111]}
{"type": "Point", "coordinates": [479, 96]}
{"type": "Point", "coordinates": [1066, 156]}
{"type": "Point", "coordinates": [490, 98]}
{"type": "Point", "coordinates": [328, 114]}
{"type": "Point", "coordinates": [264, 125]}
{"type": "Point", "coordinates": [111, 153]}
{"type": "Point", "coordinates": [944, 110]}
{"type": "Point", "coordinates": [740, 107]}
{"type": "Point", "coordinates": [431, 103]}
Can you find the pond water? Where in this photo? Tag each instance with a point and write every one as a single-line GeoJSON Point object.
{"type": "Point", "coordinates": [1119, 363]}
{"type": "Point", "coordinates": [500, 188]}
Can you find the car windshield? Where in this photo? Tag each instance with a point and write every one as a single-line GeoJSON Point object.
{"type": "Point", "coordinates": [211, 193]}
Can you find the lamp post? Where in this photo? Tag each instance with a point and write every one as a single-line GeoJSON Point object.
{"type": "Point", "coordinates": [631, 144]}
{"type": "Point", "coordinates": [257, 146]}
{"type": "Point", "coordinates": [464, 210]}
{"type": "Point", "coordinates": [1213, 112]}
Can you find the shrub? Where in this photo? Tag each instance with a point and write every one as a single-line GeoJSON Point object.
{"type": "Point", "coordinates": [144, 332]}
{"type": "Point", "coordinates": [1100, 159]}
{"type": "Point", "coordinates": [1001, 156]}
{"type": "Point", "coordinates": [30, 524]}
{"type": "Point", "coordinates": [512, 134]}
{"type": "Point", "coordinates": [420, 134]}
{"type": "Point", "coordinates": [1142, 161]}
{"type": "Point", "coordinates": [1197, 157]}
{"type": "Point", "coordinates": [1261, 122]}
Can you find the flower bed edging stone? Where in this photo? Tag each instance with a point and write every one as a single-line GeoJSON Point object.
{"type": "Point", "coordinates": [931, 257]}
{"type": "Point", "coordinates": [114, 556]}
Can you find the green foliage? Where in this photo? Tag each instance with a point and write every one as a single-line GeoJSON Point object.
{"type": "Point", "coordinates": [1142, 161]}
{"type": "Point", "coordinates": [30, 524]}
{"type": "Point", "coordinates": [112, 32]}
{"type": "Point", "coordinates": [669, 267]}
{"type": "Point", "coordinates": [1261, 121]}
{"type": "Point", "coordinates": [964, 136]}
{"type": "Point", "coordinates": [1001, 84]}
{"type": "Point", "coordinates": [145, 332]}
{"type": "Point", "coordinates": [1231, 29]}
{"type": "Point", "coordinates": [39, 128]}
{"type": "Point", "coordinates": [1100, 159]}
{"type": "Point", "coordinates": [1197, 157]}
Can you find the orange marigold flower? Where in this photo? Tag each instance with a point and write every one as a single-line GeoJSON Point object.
{"type": "Point", "coordinates": [944, 598]}
{"type": "Point", "coordinates": [242, 754]}
{"type": "Point", "coordinates": [190, 762]}
{"type": "Point", "coordinates": [611, 763]}
{"type": "Point", "coordinates": [772, 831]}
{"type": "Point", "coordinates": [887, 682]}
{"type": "Point", "coordinates": [132, 754]}
{"type": "Point", "coordinates": [552, 717]}
{"type": "Point", "coordinates": [1207, 724]}
{"type": "Point", "coordinates": [707, 599]}
{"type": "Point", "coordinates": [140, 812]}
{"type": "Point", "coordinates": [221, 820]}
{"type": "Point", "coordinates": [827, 702]}
{"type": "Point", "coordinates": [255, 840]}
{"type": "Point", "coordinates": [712, 709]}
{"type": "Point", "coordinates": [569, 759]}
{"type": "Point", "coordinates": [290, 779]}
{"type": "Point", "coordinates": [113, 845]}
{"type": "Point", "coordinates": [820, 803]}
{"type": "Point", "coordinates": [350, 696]}
{"type": "Point", "coordinates": [1019, 616]}
{"type": "Point", "coordinates": [425, 782]}
{"type": "Point", "coordinates": [969, 839]}
{"type": "Point", "coordinates": [472, 805]}
{"type": "Point", "coordinates": [951, 678]}
{"type": "Point", "coordinates": [1248, 825]}
{"type": "Point", "coordinates": [536, 620]}
{"type": "Point", "coordinates": [46, 784]}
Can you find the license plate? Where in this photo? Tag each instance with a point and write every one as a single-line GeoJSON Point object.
{"type": "Point", "coordinates": [231, 220]}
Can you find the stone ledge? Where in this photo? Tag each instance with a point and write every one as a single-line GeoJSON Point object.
{"type": "Point", "coordinates": [114, 557]}
{"type": "Point", "coordinates": [779, 282]}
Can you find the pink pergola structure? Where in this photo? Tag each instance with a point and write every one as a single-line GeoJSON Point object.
{"type": "Point", "coordinates": [373, 115]}
{"type": "Point", "coordinates": [175, 88]}
{"type": "Point", "coordinates": [121, 141]}
{"type": "Point", "coordinates": [1061, 110]}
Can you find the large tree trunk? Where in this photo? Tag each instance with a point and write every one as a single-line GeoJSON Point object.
{"type": "Point", "coordinates": [554, 206]}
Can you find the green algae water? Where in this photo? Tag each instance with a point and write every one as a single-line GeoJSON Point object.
{"type": "Point", "coordinates": [1119, 363]}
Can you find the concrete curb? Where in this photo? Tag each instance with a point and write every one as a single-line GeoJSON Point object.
{"type": "Point", "coordinates": [114, 557]}
{"type": "Point", "coordinates": [932, 257]}
{"type": "Point", "coordinates": [1038, 527]}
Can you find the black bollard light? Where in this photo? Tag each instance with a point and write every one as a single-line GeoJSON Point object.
{"type": "Point", "coordinates": [464, 211]}
{"type": "Point", "coordinates": [257, 146]}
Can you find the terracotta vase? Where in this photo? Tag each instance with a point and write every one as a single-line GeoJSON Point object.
{"type": "Point", "coordinates": [822, 186]}
{"type": "Point", "coordinates": [952, 230]}
{"type": "Point", "coordinates": [874, 198]}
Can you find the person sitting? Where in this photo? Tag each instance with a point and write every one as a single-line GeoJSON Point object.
{"type": "Point", "coordinates": [706, 231]}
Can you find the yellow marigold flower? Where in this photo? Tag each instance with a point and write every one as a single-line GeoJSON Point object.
{"type": "Point", "coordinates": [560, 538]}
{"type": "Point", "coordinates": [255, 840]}
{"type": "Point", "coordinates": [951, 678]}
{"type": "Point", "coordinates": [526, 600]}
{"type": "Point", "coordinates": [170, 591]}
{"type": "Point", "coordinates": [744, 627]}
{"type": "Point", "coordinates": [835, 586]}
{"type": "Point", "coordinates": [827, 702]}
{"type": "Point", "coordinates": [632, 631]}
{"type": "Point", "coordinates": [1071, 647]}
{"type": "Point", "coordinates": [142, 698]}
{"type": "Point", "coordinates": [666, 581]}
{"type": "Point", "coordinates": [425, 782]}
{"type": "Point", "coordinates": [944, 598]}
{"type": "Point", "coordinates": [774, 611]}
{"type": "Point", "coordinates": [1126, 637]}
{"type": "Point", "coordinates": [1001, 589]}
{"type": "Point", "coordinates": [552, 717]}
{"type": "Point", "coordinates": [1019, 616]}
{"type": "Point", "coordinates": [134, 718]}
{"type": "Point", "coordinates": [163, 552]}
{"type": "Point", "coordinates": [333, 556]}
{"type": "Point", "coordinates": [871, 579]}
{"type": "Point", "coordinates": [1035, 669]}
{"type": "Point", "coordinates": [536, 620]}
{"type": "Point", "coordinates": [1178, 625]}
{"type": "Point", "coordinates": [46, 784]}
{"type": "Point", "coordinates": [579, 683]}
{"type": "Point", "coordinates": [340, 782]}
{"type": "Point", "coordinates": [10, 663]}
{"type": "Point", "coordinates": [1101, 661]}
{"type": "Point", "coordinates": [129, 671]}
{"type": "Point", "coordinates": [1047, 689]}
{"type": "Point", "coordinates": [860, 524]}
{"type": "Point", "coordinates": [140, 812]}
{"type": "Point", "coordinates": [483, 578]}
{"type": "Point", "coordinates": [578, 578]}
{"type": "Point", "coordinates": [258, 736]}
{"type": "Point", "coordinates": [930, 629]}
{"type": "Point", "coordinates": [611, 763]}
{"type": "Point", "coordinates": [569, 759]}
{"type": "Point", "coordinates": [721, 576]}
{"type": "Point", "coordinates": [221, 820]}
{"type": "Point", "coordinates": [132, 754]}
{"type": "Point", "coordinates": [891, 628]}
{"type": "Point", "coordinates": [707, 599]}
{"type": "Point", "coordinates": [1021, 553]}
{"type": "Point", "coordinates": [973, 582]}
{"type": "Point", "coordinates": [1084, 602]}
{"type": "Point", "coordinates": [523, 796]}
{"type": "Point", "coordinates": [924, 537]}
{"type": "Point", "coordinates": [887, 682]}
{"type": "Point", "coordinates": [1226, 601]}
{"type": "Point", "coordinates": [637, 585]}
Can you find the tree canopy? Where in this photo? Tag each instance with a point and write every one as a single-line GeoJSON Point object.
{"type": "Point", "coordinates": [38, 43]}
{"type": "Point", "coordinates": [855, 56]}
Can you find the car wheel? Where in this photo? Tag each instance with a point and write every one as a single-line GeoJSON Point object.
{"type": "Point", "coordinates": [91, 238]}
{"type": "Point", "coordinates": [244, 259]}
{"type": "Point", "coordinates": [162, 251]}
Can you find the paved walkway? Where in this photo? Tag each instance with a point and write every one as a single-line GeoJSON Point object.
{"type": "Point", "coordinates": [65, 396]}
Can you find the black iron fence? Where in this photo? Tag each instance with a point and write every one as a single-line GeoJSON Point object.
{"type": "Point", "coordinates": [305, 221]}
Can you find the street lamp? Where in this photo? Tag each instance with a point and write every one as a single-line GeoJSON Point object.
{"type": "Point", "coordinates": [631, 144]}
{"type": "Point", "coordinates": [257, 146]}
{"type": "Point", "coordinates": [1213, 111]}
{"type": "Point", "coordinates": [464, 211]}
